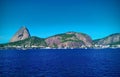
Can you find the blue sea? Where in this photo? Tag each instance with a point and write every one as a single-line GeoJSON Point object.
{"type": "Point", "coordinates": [60, 63]}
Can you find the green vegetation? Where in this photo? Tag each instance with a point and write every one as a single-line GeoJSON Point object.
{"type": "Point", "coordinates": [37, 41]}
{"type": "Point", "coordinates": [116, 43]}
{"type": "Point", "coordinates": [1, 45]}
{"type": "Point", "coordinates": [29, 42]}
{"type": "Point", "coordinates": [66, 36]}
{"type": "Point", "coordinates": [55, 45]}
{"type": "Point", "coordinates": [96, 41]}
{"type": "Point", "coordinates": [72, 41]}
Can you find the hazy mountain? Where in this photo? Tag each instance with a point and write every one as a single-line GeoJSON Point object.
{"type": "Point", "coordinates": [109, 40]}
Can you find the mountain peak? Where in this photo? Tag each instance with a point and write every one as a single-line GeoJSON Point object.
{"type": "Point", "coordinates": [21, 34]}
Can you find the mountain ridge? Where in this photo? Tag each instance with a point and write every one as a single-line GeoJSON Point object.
{"type": "Point", "coordinates": [108, 39]}
{"type": "Point", "coordinates": [69, 39]}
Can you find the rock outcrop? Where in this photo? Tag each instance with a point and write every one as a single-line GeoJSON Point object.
{"type": "Point", "coordinates": [21, 34]}
{"type": "Point", "coordinates": [69, 40]}
{"type": "Point", "coordinates": [109, 40]}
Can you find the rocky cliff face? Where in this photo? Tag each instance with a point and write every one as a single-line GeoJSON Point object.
{"type": "Point", "coordinates": [21, 34]}
{"type": "Point", "coordinates": [111, 39]}
{"type": "Point", "coordinates": [69, 40]}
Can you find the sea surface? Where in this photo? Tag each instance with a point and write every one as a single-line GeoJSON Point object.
{"type": "Point", "coordinates": [60, 63]}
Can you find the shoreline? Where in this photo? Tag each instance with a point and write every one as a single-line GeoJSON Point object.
{"type": "Point", "coordinates": [55, 48]}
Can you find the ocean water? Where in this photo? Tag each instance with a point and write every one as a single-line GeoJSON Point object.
{"type": "Point", "coordinates": [60, 63]}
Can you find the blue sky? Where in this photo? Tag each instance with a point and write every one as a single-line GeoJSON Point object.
{"type": "Point", "coordinates": [43, 18]}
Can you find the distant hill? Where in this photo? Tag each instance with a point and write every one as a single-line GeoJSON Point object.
{"type": "Point", "coordinates": [113, 39]}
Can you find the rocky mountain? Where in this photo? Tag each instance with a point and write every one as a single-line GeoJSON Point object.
{"type": "Point", "coordinates": [69, 40]}
{"type": "Point", "coordinates": [21, 34]}
{"type": "Point", "coordinates": [113, 39]}
{"type": "Point", "coordinates": [22, 39]}
{"type": "Point", "coordinates": [64, 40]}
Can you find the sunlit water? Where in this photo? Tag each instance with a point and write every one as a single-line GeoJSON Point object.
{"type": "Point", "coordinates": [60, 63]}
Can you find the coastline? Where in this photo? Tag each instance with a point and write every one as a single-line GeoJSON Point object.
{"type": "Point", "coordinates": [56, 48]}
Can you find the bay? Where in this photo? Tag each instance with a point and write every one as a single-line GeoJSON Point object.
{"type": "Point", "coordinates": [60, 63]}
